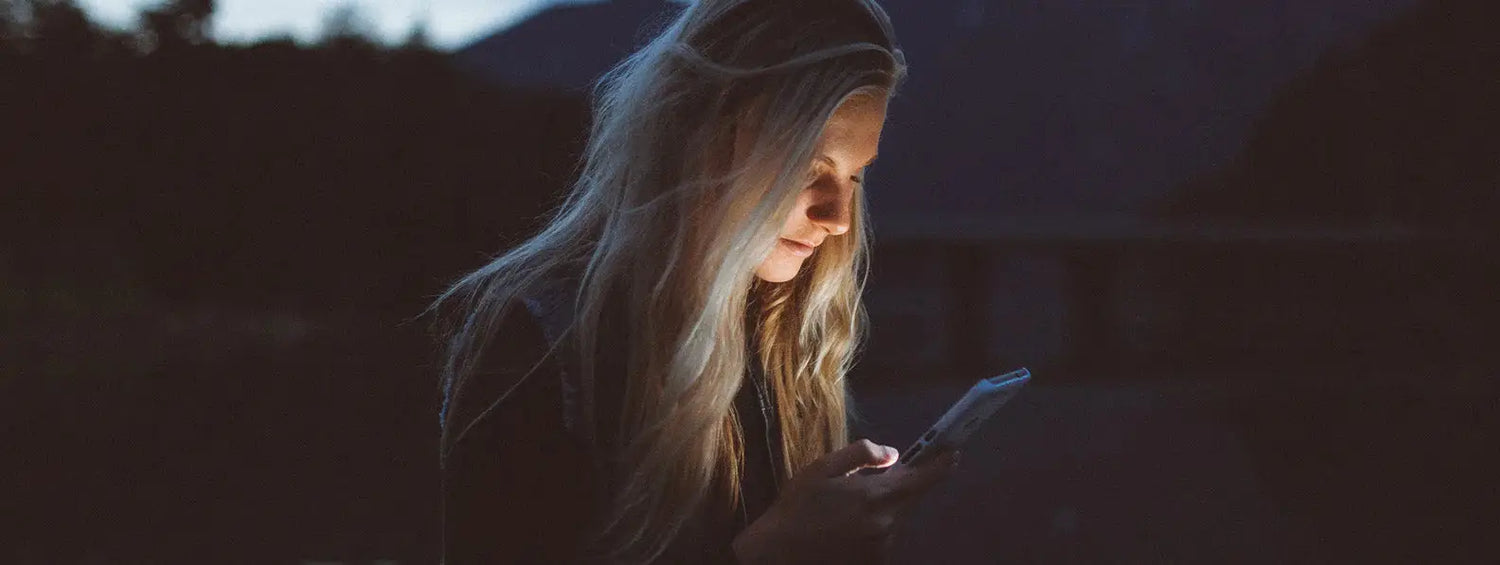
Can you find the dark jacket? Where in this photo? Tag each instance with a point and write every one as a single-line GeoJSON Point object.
{"type": "Point", "coordinates": [527, 472]}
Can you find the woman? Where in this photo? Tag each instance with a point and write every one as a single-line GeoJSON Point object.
{"type": "Point", "coordinates": [666, 378]}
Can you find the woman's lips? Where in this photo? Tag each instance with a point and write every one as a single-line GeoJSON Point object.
{"type": "Point", "coordinates": [798, 249]}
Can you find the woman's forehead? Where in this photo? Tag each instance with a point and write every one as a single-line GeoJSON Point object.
{"type": "Point", "coordinates": [852, 135]}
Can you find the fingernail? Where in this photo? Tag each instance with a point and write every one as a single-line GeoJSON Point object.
{"type": "Point", "coordinates": [890, 453]}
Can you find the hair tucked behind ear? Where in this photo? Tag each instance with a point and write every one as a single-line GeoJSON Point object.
{"type": "Point", "coordinates": [666, 212]}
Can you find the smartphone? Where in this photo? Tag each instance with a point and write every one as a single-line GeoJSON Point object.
{"type": "Point", "coordinates": [965, 416]}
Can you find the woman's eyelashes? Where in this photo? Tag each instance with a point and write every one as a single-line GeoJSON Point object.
{"type": "Point", "coordinates": [818, 171]}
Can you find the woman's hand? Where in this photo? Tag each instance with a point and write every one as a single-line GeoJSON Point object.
{"type": "Point", "coordinates": [831, 514]}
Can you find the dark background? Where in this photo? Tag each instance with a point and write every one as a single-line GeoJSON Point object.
{"type": "Point", "coordinates": [1246, 247]}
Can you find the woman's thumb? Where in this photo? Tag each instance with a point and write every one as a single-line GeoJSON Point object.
{"type": "Point", "coordinates": [855, 456]}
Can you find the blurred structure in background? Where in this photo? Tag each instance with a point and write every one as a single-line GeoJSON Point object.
{"type": "Point", "coordinates": [209, 254]}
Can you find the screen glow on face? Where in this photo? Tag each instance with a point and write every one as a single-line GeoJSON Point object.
{"type": "Point", "coordinates": [825, 206]}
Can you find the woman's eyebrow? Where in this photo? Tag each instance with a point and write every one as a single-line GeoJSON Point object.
{"type": "Point", "coordinates": [829, 160]}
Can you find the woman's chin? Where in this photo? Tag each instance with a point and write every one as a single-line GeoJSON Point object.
{"type": "Point", "coordinates": [779, 271]}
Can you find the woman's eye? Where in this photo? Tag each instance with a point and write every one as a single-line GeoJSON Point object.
{"type": "Point", "coordinates": [815, 172]}
{"type": "Point", "coordinates": [812, 176]}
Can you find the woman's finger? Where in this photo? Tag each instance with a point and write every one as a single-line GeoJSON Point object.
{"type": "Point", "coordinates": [909, 482]}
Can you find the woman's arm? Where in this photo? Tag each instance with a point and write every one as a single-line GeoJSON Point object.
{"type": "Point", "coordinates": [517, 488]}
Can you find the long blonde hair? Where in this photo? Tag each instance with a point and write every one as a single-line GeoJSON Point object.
{"type": "Point", "coordinates": [667, 210]}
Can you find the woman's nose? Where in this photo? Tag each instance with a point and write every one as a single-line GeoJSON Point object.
{"type": "Point", "coordinates": [833, 208]}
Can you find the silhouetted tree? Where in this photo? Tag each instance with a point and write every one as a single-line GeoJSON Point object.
{"type": "Point", "coordinates": [10, 25]}
{"type": "Point", "coordinates": [418, 39]}
{"type": "Point", "coordinates": [136, 185]}
{"type": "Point", "coordinates": [177, 24]}
{"type": "Point", "coordinates": [339, 176]}
{"type": "Point", "coordinates": [346, 27]}
{"type": "Point", "coordinates": [59, 28]}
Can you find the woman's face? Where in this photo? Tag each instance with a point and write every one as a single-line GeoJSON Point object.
{"type": "Point", "coordinates": [825, 205]}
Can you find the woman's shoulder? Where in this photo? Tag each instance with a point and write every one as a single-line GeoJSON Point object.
{"type": "Point", "coordinates": [530, 327]}
{"type": "Point", "coordinates": [520, 364]}
{"type": "Point", "coordinates": [508, 357]}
